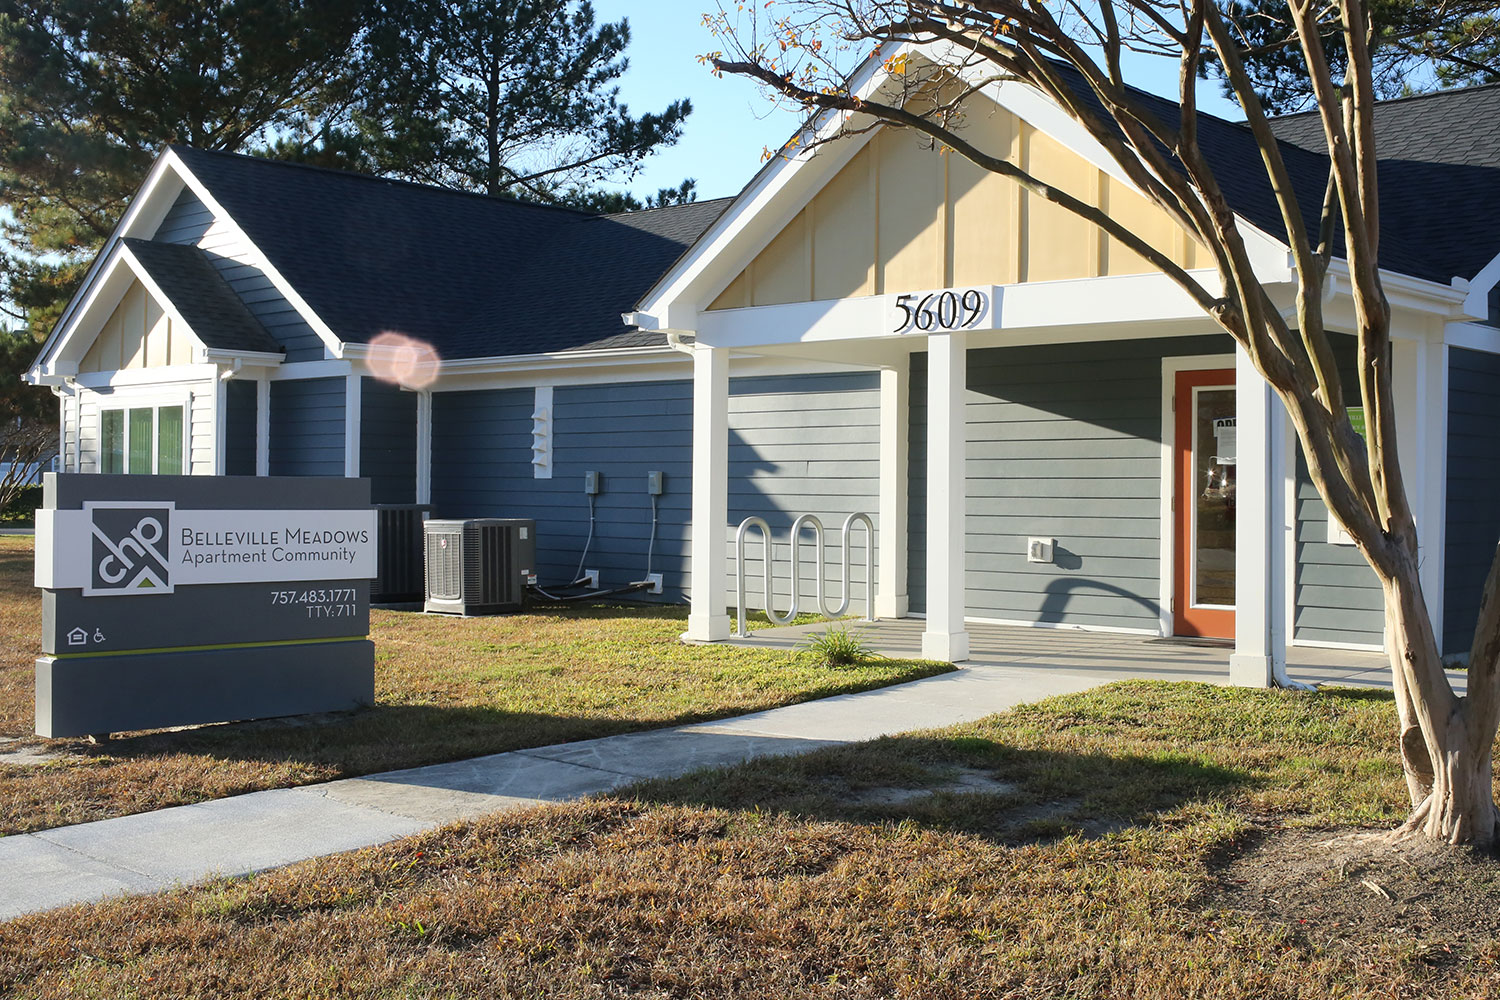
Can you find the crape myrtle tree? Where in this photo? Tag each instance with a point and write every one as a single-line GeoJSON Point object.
{"type": "Point", "coordinates": [1075, 53]}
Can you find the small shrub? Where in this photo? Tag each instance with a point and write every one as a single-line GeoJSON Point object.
{"type": "Point", "coordinates": [23, 506]}
{"type": "Point", "coordinates": [839, 647]}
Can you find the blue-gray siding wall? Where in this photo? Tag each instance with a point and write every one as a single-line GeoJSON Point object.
{"type": "Point", "coordinates": [307, 427]}
{"type": "Point", "coordinates": [388, 441]}
{"type": "Point", "coordinates": [808, 444]}
{"type": "Point", "coordinates": [1473, 490]}
{"type": "Point", "coordinates": [482, 465]}
{"type": "Point", "coordinates": [190, 221]}
{"type": "Point", "coordinates": [1338, 598]}
{"type": "Point", "coordinates": [187, 221]}
{"type": "Point", "coordinates": [239, 428]}
{"type": "Point", "coordinates": [1064, 443]}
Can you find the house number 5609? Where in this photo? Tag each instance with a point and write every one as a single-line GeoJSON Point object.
{"type": "Point", "coordinates": [939, 311]}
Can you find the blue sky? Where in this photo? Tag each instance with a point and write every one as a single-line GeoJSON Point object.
{"type": "Point", "coordinates": [732, 120]}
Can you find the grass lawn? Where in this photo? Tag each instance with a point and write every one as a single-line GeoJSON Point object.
{"type": "Point", "coordinates": [445, 689]}
{"type": "Point", "coordinates": [1144, 840]}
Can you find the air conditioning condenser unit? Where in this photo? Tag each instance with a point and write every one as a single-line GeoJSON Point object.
{"type": "Point", "coordinates": [478, 566]}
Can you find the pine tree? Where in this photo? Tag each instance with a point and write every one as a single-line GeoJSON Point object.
{"type": "Point", "coordinates": [90, 90]}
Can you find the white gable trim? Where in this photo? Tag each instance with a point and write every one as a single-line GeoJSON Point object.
{"type": "Point", "coordinates": [145, 212]}
{"type": "Point", "coordinates": [101, 294]}
{"type": "Point", "coordinates": [257, 257]}
{"type": "Point", "coordinates": [775, 195]}
{"type": "Point", "coordinates": [168, 176]}
{"type": "Point", "coordinates": [1477, 301]}
{"type": "Point", "coordinates": [785, 186]}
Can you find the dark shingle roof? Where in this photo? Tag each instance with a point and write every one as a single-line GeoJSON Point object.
{"type": "Point", "coordinates": [1439, 171]}
{"type": "Point", "coordinates": [1439, 178]}
{"type": "Point", "coordinates": [473, 275]}
{"type": "Point", "coordinates": [216, 315]}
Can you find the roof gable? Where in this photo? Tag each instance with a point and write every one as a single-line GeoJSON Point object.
{"type": "Point", "coordinates": [1431, 228]}
{"type": "Point", "coordinates": [202, 297]}
{"type": "Point", "coordinates": [812, 161]}
{"type": "Point", "coordinates": [474, 276]}
{"type": "Point", "coordinates": [901, 216]}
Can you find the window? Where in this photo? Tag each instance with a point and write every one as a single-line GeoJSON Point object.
{"type": "Point", "coordinates": [142, 440]}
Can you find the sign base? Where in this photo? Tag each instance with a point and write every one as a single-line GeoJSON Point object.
{"type": "Point", "coordinates": [83, 695]}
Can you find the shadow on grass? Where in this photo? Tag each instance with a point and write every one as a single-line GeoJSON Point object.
{"type": "Point", "coordinates": [380, 737]}
{"type": "Point", "coordinates": [964, 784]}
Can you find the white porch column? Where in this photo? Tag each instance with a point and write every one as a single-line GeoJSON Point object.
{"type": "Point", "coordinates": [947, 376]}
{"type": "Point", "coordinates": [221, 422]}
{"type": "Point", "coordinates": [1260, 565]}
{"type": "Point", "coordinates": [352, 409]}
{"type": "Point", "coordinates": [708, 620]}
{"type": "Point", "coordinates": [263, 426]}
{"type": "Point", "coordinates": [1419, 381]}
{"type": "Point", "coordinates": [895, 398]}
{"type": "Point", "coordinates": [424, 446]}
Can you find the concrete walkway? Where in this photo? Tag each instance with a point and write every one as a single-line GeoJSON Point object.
{"type": "Point", "coordinates": [247, 833]}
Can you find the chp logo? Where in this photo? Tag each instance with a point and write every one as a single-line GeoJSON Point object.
{"type": "Point", "coordinates": [130, 548]}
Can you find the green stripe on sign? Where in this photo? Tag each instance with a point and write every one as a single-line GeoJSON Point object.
{"type": "Point", "coordinates": [201, 649]}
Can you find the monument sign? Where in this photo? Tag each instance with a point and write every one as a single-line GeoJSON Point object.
{"type": "Point", "coordinates": [176, 600]}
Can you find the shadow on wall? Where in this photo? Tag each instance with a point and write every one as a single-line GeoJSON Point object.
{"type": "Point", "coordinates": [482, 468]}
{"type": "Point", "coordinates": [1064, 443]}
{"type": "Point", "coordinates": [1061, 590]}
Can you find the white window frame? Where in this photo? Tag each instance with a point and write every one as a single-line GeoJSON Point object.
{"type": "Point", "coordinates": [123, 403]}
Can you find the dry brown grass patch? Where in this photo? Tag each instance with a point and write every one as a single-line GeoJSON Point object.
{"type": "Point", "coordinates": [446, 689]}
{"type": "Point", "coordinates": [776, 879]}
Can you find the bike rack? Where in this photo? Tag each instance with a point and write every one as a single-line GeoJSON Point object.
{"type": "Point", "coordinates": [806, 520]}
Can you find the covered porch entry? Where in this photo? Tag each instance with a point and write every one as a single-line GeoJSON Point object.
{"type": "Point", "coordinates": [991, 440]}
{"type": "Point", "coordinates": [1028, 367]}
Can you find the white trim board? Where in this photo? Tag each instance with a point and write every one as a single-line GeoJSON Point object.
{"type": "Point", "coordinates": [1472, 337]}
{"type": "Point", "coordinates": [1059, 626]}
{"type": "Point", "coordinates": [1362, 647]}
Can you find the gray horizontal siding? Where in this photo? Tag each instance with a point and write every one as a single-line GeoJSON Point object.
{"type": "Point", "coordinates": [307, 427]}
{"type": "Point", "coordinates": [187, 221]}
{"type": "Point", "coordinates": [482, 467]}
{"type": "Point", "coordinates": [1064, 443]}
{"type": "Point", "coordinates": [1338, 598]}
{"type": "Point", "coordinates": [806, 444]}
{"type": "Point", "coordinates": [190, 221]}
{"type": "Point", "coordinates": [388, 441]}
{"type": "Point", "coordinates": [1473, 514]}
{"type": "Point", "coordinates": [239, 428]}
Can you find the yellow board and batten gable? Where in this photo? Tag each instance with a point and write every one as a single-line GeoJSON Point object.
{"type": "Point", "coordinates": [901, 216]}
{"type": "Point", "coordinates": [138, 334]}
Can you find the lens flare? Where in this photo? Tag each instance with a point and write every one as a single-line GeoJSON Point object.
{"type": "Point", "coordinates": [405, 361]}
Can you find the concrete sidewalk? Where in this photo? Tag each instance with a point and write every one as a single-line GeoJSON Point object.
{"type": "Point", "coordinates": [158, 850]}
{"type": "Point", "coordinates": [169, 847]}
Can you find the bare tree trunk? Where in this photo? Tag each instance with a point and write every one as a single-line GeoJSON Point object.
{"type": "Point", "coordinates": [1446, 755]}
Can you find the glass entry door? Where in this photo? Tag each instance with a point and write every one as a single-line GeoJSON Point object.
{"type": "Point", "coordinates": [1203, 505]}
